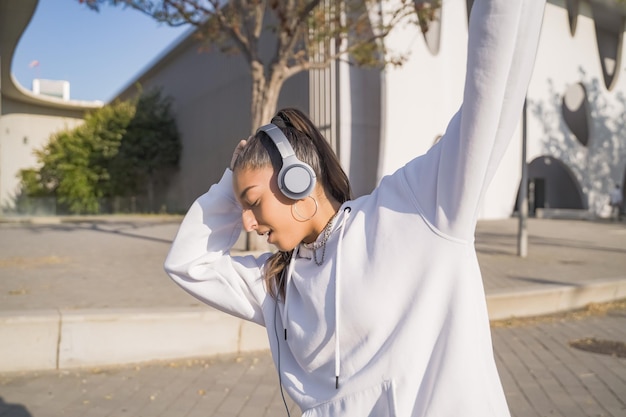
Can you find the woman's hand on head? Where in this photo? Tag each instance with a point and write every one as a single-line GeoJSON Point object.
{"type": "Point", "coordinates": [237, 151]}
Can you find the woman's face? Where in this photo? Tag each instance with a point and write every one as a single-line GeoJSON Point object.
{"type": "Point", "coordinates": [265, 209]}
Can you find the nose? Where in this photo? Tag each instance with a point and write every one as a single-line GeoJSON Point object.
{"type": "Point", "coordinates": [249, 221]}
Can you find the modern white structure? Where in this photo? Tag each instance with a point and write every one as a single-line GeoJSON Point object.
{"type": "Point", "coordinates": [52, 88]}
{"type": "Point", "coordinates": [378, 120]}
{"type": "Point", "coordinates": [27, 119]}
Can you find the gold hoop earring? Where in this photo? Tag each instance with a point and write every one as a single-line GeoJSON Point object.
{"type": "Point", "coordinates": [300, 217]}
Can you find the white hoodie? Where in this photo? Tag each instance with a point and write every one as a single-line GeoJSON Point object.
{"type": "Point", "coordinates": [394, 322]}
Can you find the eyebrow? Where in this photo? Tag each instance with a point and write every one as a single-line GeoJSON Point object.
{"type": "Point", "coordinates": [243, 193]}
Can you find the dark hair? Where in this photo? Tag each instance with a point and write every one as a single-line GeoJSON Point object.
{"type": "Point", "coordinates": [310, 147]}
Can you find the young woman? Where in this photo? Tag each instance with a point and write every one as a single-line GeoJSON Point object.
{"type": "Point", "coordinates": [373, 306]}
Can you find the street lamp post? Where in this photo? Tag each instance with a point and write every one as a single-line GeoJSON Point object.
{"type": "Point", "coordinates": [522, 201]}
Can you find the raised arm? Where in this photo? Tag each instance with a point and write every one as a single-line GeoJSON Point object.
{"type": "Point", "coordinates": [199, 259]}
{"type": "Point", "coordinates": [450, 180]}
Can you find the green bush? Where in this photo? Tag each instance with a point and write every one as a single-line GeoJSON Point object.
{"type": "Point", "coordinates": [119, 151]}
{"type": "Point", "coordinates": [149, 150]}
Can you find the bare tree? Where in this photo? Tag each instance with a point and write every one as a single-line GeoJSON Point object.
{"type": "Point", "coordinates": [307, 34]}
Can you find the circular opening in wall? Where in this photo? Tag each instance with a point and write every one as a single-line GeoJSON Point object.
{"type": "Point", "coordinates": [605, 347]}
{"type": "Point", "coordinates": [575, 112]}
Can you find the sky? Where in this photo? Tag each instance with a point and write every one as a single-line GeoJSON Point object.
{"type": "Point", "coordinates": [99, 53]}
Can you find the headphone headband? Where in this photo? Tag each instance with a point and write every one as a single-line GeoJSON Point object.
{"type": "Point", "coordinates": [296, 179]}
{"type": "Point", "coordinates": [279, 139]}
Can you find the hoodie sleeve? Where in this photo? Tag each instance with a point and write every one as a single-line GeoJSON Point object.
{"type": "Point", "coordinates": [200, 262]}
{"type": "Point", "coordinates": [450, 180]}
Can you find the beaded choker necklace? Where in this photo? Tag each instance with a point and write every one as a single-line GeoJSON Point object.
{"type": "Point", "coordinates": [314, 246]}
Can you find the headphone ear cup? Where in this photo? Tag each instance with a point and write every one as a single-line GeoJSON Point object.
{"type": "Point", "coordinates": [296, 179]}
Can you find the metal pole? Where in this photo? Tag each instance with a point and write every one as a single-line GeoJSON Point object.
{"type": "Point", "coordinates": [522, 200]}
{"type": "Point", "coordinates": [1, 140]}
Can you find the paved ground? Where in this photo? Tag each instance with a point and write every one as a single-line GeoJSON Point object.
{"type": "Point", "coordinates": [543, 376]}
{"type": "Point", "coordinates": [116, 262]}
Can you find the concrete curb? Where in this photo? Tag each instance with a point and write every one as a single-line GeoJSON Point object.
{"type": "Point", "coordinates": [51, 339]}
{"type": "Point", "coordinates": [553, 299]}
{"type": "Point", "coordinates": [63, 339]}
{"type": "Point", "coordinates": [30, 340]}
{"type": "Point", "coordinates": [77, 218]}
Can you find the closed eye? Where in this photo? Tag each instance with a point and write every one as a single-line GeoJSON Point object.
{"type": "Point", "coordinates": [252, 205]}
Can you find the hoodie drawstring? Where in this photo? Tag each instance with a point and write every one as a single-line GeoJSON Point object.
{"type": "Point", "coordinates": [290, 268]}
{"type": "Point", "coordinates": [292, 263]}
{"type": "Point", "coordinates": [346, 214]}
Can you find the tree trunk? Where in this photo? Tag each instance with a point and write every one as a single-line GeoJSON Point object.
{"type": "Point", "coordinates": [264, 102]}
{"type": "Point", "coordinates": [265, 92]}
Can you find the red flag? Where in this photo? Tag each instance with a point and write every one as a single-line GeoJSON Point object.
{"type": "Point", "coordinates": [33, 64]}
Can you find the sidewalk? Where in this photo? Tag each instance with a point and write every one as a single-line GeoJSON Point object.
{"type": "Point", "coordinates": [88, 296]}
{"type": "Point", "coordinates": [92, 291]}
{"type": "Point", "coordinates": [117, 262]}
{"type": "Point", "coordinates": [80, 292]}
{"type": "Point", "coordinates": [541, 373]}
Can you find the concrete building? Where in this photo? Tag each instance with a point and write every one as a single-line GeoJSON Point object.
{"type": "Point", "coordinates": [26, 119]}
{"type": "Point", "coordinates": [377, 121]}
{"type": "Point", "coordinates": [576, 132]}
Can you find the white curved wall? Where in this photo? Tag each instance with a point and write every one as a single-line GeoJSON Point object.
{"type": "Point", "coordinates": [20, 135]}
{"type": "Point", "coordinates": [422, 95]}
{"type": "Point", "coordinates": [564, 60]}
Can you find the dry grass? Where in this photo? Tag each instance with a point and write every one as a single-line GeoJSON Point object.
{"type": "Point", "coordinates": [23, 263]}
{"type": "Point", "coordinates": [590, 310]}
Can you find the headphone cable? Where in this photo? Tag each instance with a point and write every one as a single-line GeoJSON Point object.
{"type": "Point", "coordinates": [280, 383]}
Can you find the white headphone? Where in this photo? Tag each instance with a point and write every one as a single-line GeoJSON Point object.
{"type": "Point", "coordinates": [296, 179]}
